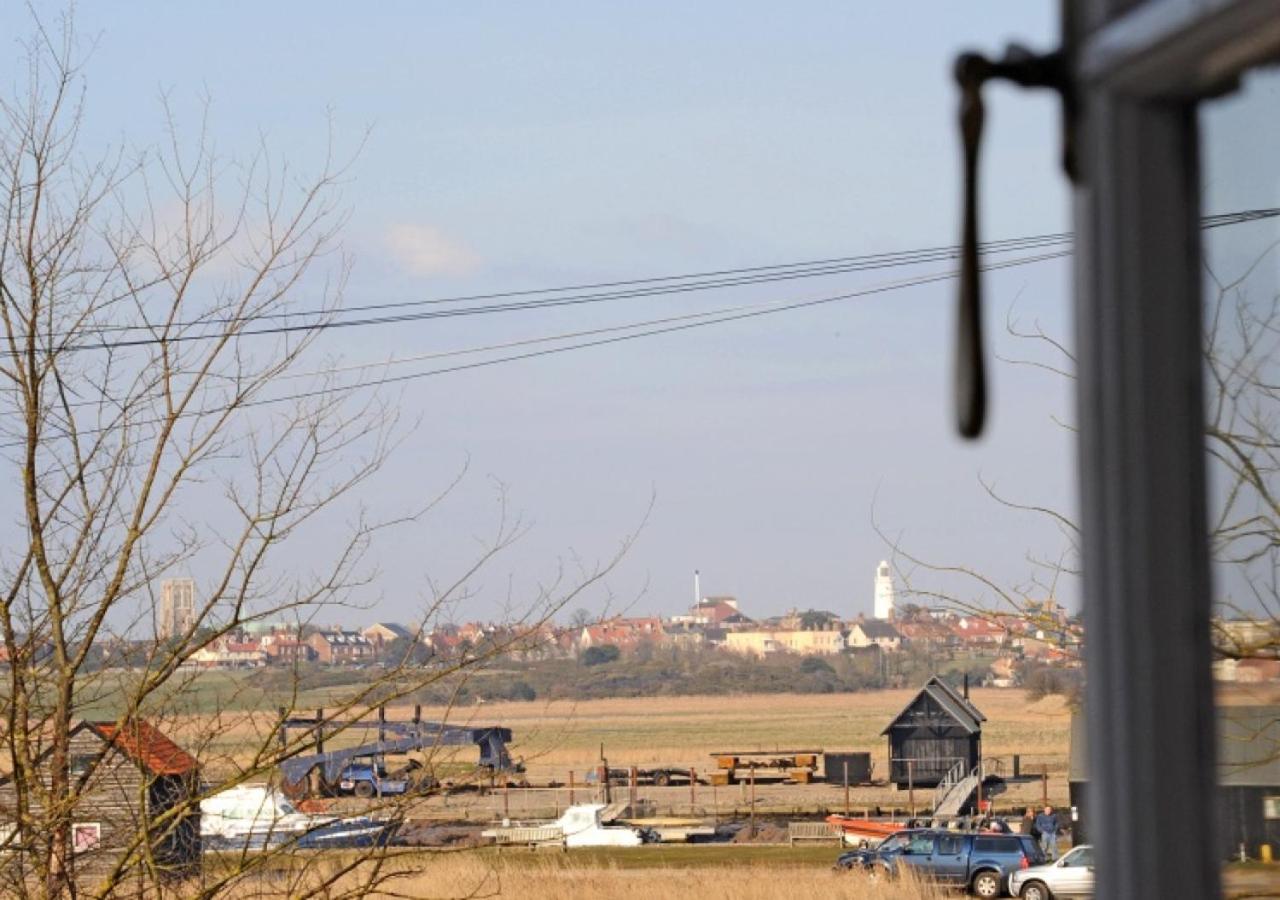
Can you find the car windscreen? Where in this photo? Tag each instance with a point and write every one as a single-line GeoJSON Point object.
{"type": "Point", "coordinates": [1080, 856]}
{"type": "Point", "coordinates": [893, 844]}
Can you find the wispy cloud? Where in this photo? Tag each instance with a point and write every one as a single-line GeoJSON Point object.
{"type": "Point", "coordinates": [426, 250]}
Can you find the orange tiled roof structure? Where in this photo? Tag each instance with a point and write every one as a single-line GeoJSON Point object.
{"type": "Point", "coordinates": [145, 744]}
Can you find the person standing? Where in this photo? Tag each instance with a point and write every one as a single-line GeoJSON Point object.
{"type": "Point", "coordinates": [1047, 824]}
{"type": "Point", "coordinates": [1029, 824]}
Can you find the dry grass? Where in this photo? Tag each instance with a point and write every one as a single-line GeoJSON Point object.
{"type": "Point", "coordinates": [557, 738]}
{"type": "Point", "coordinates": [556, 877]}
{"type": "Point", "coordinates": [683, 731]}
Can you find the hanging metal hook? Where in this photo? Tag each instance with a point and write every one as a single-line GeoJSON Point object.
{"type": "Point", "coordinates": [972, 70]}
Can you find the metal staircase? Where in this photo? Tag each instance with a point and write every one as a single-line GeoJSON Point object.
{"type": "Point", "coordinates": [958, 787]}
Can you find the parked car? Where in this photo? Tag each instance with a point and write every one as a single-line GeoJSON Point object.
{"type": "Point", "coordinates": [1071, 876]}
{"type": "Point", "coordinates": [980, 862]}
{"type": "Point", "coordinates": [368, 778]}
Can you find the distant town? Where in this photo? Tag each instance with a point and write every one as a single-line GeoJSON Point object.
{"type": "Point", "coordinates": [1041, 634]}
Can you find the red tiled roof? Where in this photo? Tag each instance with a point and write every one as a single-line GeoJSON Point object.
{"type": "Point", "coordinates": [142, 742]}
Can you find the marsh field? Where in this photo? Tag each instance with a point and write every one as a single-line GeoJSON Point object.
{"type": "Point", "coordinates": [558, 740]}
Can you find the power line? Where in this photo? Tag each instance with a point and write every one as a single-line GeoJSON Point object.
{"type": "Point", "coordinates": [643, 287]}
{"type": "Point", "coordinates": [831, 265]}
{"type": "Point", "coordinates": [713, 278]}
{"type": "Point", "coordinates": [519, 305]}
{"type": "Point", "coordinates": [747, 312]}
{"type": "Point", "coordinates": [650, 328]}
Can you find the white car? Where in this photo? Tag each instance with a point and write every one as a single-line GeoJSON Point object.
{"type": "Point", "coordinates": [1070, 876]}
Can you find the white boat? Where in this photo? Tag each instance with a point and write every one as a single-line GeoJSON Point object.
{"type": "Point", "coordinates": [582, 827]}
{"type": "Point", "coordinates": [259, 817]}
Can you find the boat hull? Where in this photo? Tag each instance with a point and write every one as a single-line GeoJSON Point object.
{"type": "Point", "coordinates": [864, 829]}
{"type": "Point", "coordinates": [336, 836]}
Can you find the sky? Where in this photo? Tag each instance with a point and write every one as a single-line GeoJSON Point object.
{"type": "Point", "coordinates": [502, 146]}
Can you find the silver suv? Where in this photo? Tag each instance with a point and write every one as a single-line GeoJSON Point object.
{"type": "Point", "coordinates": [1071, 876]}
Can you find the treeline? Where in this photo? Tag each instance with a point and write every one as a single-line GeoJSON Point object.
{"type": "Point", "coordinates": [603, 672]}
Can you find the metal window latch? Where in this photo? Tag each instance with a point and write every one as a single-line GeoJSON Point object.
{"type": "Point", "coordinates": [1024, 68]}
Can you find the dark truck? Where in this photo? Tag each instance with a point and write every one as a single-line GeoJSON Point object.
{"type": "Point", "coordinates": [981, 862]}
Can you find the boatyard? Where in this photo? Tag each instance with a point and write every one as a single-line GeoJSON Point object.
{"type": "Point", "coordinates": [751, 795]}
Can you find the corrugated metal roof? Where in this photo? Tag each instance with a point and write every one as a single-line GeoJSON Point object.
{"type": "Point", "coordinates": [145, 744]}
{"type": "Point", "coordinates": [1248, 746]}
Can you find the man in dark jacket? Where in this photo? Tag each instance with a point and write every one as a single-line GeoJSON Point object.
{"type": "Point", "coordinates": [1047, 824]}
{"type": "Point", "coordinates": [1029, 824]}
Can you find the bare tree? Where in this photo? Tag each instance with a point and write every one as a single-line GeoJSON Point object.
{"type": "Point", "coordinates": [148, 310]}
{"type": "Point", "coordinates": [1242, 440]}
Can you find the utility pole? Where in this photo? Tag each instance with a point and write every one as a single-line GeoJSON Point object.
{"type": "Point", "coordinates": [911, 785]}
{"type": "Point", "coordinates": [846, 787]}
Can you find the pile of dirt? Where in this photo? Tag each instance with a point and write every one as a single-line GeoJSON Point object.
{"type": "Point", "coordinates": [434, 834]}
{"type": "Point", "coordinates": [766, 833]}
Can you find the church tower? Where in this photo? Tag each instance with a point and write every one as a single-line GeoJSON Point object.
{"type": "Point", "coordinates": [884, 592]}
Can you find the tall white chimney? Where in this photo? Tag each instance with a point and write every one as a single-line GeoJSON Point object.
{"type": "Point", "coordinates": [697, 589]}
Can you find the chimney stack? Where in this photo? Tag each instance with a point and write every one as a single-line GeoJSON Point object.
{"type": "Point", "coordinates": [697, 589]}
{"type": "Point", "coordinates": [966, 685]}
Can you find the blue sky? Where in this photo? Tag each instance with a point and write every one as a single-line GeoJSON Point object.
{"type": "Point", "coordinates": [525, 145]}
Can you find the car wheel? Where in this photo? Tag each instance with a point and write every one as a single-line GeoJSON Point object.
{"type": "Point", "coordinates": [364, 789]}
{"type": "Point", "coordinates": [1035, 890]}
{"type": "Point", "coordinates": [986, 884]}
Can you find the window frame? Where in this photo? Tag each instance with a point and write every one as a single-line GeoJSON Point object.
{"type": "Point", "coordinates": [1141, 67]}
{"type": "Point", "coordinates": [94, 828]}
{"type": "Point", "coordinates": [1271, 807]}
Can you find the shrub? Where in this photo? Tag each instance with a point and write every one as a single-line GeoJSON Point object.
{"type": "Point", "coordinates": [816, 665]}
{"type": "Point", "coordinates": [596, 656]}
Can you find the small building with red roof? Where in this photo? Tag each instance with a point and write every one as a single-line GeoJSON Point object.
{"type": "Point", "coordinates": [128, 778]}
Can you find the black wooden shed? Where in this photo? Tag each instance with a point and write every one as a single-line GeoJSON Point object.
{"type": "Point", "coordinates": [936, 730]}
{"type": "Point", "coordinates": [1247, 796]}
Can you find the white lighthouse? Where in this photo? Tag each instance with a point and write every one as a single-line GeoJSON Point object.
{"type": "Point", "coordinates": [884, 592]}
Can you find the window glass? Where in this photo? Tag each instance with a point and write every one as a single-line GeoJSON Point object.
{"type": "Point", "coordinates": [81, 764]}
{"type": "Point", "coordinates": [950, 845]}
{"type": "Point", "coordinates": [995, 845]}
{"type": "Point", "coordinates": [1240, 139]}
{"type": "Point", "coordinates": [921, 843]}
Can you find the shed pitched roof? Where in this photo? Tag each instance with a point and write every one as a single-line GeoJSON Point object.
{"type": "Point", "coordinates": [146, 745]}
{"type": "Point", "coordinates": [965, 713]}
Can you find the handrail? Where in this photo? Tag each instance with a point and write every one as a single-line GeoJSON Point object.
{"type": "Point", "coordinates": [958, 777]}
{"type": "Point", "coordinates": [955, 774]}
